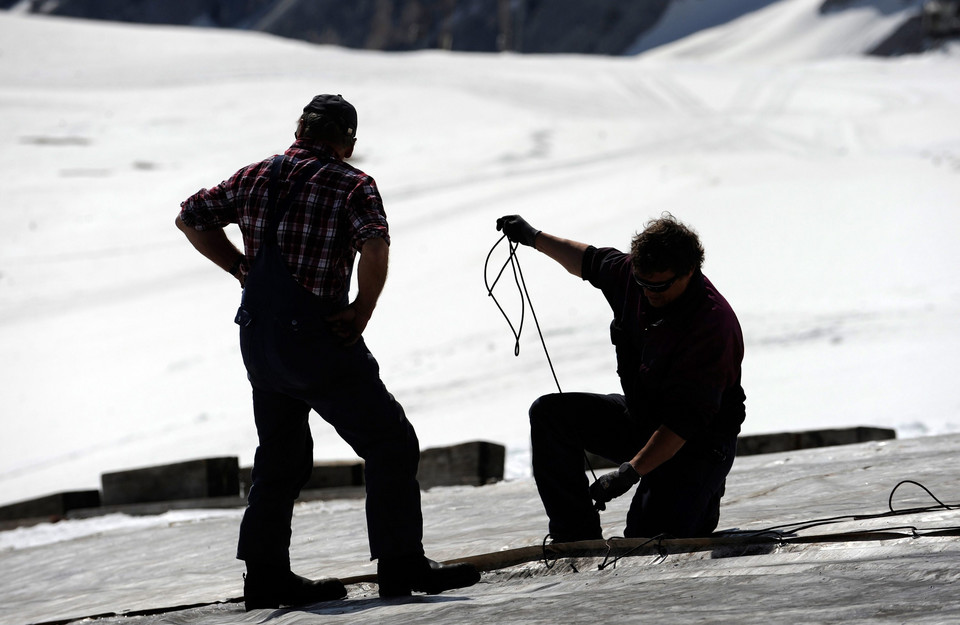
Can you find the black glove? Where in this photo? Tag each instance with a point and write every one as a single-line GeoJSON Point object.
{"type": "Point", "coordinates": [517, 229]}
{"type": "Point", "coordinates": [613, 484]}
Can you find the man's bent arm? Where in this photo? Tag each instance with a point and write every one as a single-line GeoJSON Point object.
{"type": "Point", "coordinates": [371, 276]}
{"type": "Point", "coordinates": [350, 322]}
{"type": "Point", "coordinates": [566, 252]}
{"type": "Point", "coordinates": [662, 446]}
{"type": "Point", "coordinates": [213, 244]}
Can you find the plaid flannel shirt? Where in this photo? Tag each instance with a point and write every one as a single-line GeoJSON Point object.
{"type": "Point", "coordinates": [336, 211]}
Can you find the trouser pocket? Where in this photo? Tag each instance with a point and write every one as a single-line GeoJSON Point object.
{"type": "Point", "coordinates": [243, 318]}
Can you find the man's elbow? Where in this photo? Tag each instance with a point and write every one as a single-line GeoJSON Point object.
{"type": "Point", "coordinates": [182, 227]}
{"type": "Point", "coordinates": [375, 247]}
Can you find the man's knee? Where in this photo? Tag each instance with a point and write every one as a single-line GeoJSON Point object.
{"type": "Point", "coordinates": [544, 409]}
{"type": "Point", "coordinates": [397, 447]}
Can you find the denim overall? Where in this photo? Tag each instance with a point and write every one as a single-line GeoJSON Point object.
{"type": "Point", "coordinates": [295, 364]}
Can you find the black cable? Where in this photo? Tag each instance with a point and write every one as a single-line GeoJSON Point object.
{"type": "Point", "coordinates": [490, 287]}
{"type": "Point", "coordinates": [609, 560]}
{"type": "Point", "coordinates": [781, 533]}
{"type": "Point", "coordinates": [547, 561]}
{"type": "Point", "coordinates": [791, 528]}
{"type": "Point", "coordinates": [514, 264]}
{"type": "Point", "coordinates": [932, 496]}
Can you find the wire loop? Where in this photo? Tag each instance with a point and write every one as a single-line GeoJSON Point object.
{"type": "Point", "coordinates": [514, 264]}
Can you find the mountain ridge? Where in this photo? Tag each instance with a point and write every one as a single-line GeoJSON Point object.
{"type": "Point", "coordinates": [606, 27]}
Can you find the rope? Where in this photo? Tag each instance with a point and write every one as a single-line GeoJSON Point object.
{"type": "Point", "coordinates": [932, 496]}
{"type": "Point", "coordinates": [793, 528]}
{"type": "Point", "coordinates": [514, 263]}
{"type": "Point", "coordinates": [547, 559]}
{"type": "Point", "coordinates": [610, 560]}
{"type": "Point", "coordinates": [782, 535]}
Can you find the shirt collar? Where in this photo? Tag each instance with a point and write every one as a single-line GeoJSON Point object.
{"type": "Point", "coordinates": [314, 148]}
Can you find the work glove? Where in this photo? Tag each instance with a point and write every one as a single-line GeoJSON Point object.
{"type": "Point", "coordinates": [517, 229]}
{"type": "Point", "coordinates": [613, 484]}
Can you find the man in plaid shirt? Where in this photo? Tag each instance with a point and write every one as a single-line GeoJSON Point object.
{"type": "Point", "coordinates": [304, 215]}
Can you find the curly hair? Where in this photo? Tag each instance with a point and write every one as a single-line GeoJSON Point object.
{"type": "Point", "coordinates": [666, 244]}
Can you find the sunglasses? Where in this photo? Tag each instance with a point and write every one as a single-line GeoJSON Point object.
{"type": "Point", "coordinates": [656, 287]}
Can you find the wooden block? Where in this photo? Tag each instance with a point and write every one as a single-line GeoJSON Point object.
{"type": "Point", "coordinates": [51, 507]}
{"type": "Point", "coordinates": [194, 479]}
{"type": "Point", "coordinates": [337, 474]}
{"type": "Point", "coordinates": [791, 441]}
{"type": "Point", "coordinates": [467, 464]}
{"type": "Point", "coordinates": [784, 441]}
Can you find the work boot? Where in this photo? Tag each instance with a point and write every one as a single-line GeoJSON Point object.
{"type": "Point", "coordinates": [398, 577]}
{"type": "Point", "coordinates": [270, 591]}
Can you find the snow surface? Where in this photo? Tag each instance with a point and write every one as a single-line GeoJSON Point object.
{"type": "Point", "coordinates": [826, 497]}
{"type": "Point", "coordinates": [824, 185]}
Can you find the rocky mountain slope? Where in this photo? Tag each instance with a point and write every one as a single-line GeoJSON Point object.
{"type": "Point", "coordinates": [611, 27]}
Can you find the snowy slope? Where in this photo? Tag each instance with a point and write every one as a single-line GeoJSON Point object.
{"type": "Point", "coordinates": [772, 32]}
{"type": "Point", "coordinates": [824, 188]}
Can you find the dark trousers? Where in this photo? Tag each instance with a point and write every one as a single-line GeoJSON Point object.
{"type": "Point", "coordinates": [680, 498]}
{"type": "Point", "coordinates": [293, 368]}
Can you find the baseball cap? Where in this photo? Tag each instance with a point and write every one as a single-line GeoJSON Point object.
{"type": "Point", "coordinates": [335, 109]}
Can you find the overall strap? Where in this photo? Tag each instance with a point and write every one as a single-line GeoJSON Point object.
{"type": "Point", "coordinates": [277, 207]}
